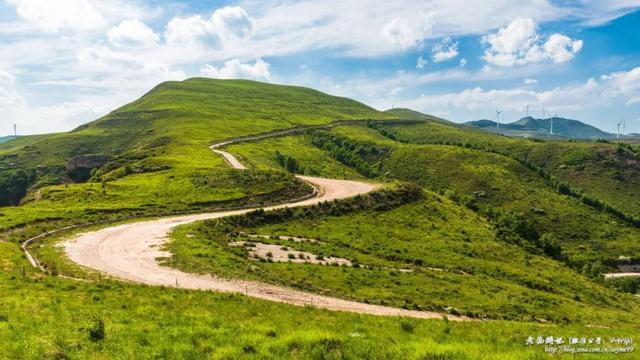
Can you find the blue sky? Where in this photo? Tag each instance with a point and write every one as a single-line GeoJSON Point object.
{"type": "Point", "coordinates": [66, 62]}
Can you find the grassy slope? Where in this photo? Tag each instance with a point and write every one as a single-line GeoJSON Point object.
{"type": "Point", "coordinates": [44, 317]}
{"type": "Point", "coordinates": [408, 114]}
{"type": "Point", "coordinates": [173, 125]}
{"type": "Point", "coordinates": [262, 155]}
{"type": "Point", "coordinates": [167, 129]}
{"type": "Point", "coordinates": [586, 234]}
{"type": "Point", "coordinates": [476, 277]}
{"type": "Point", "coordinates": [597, 168]}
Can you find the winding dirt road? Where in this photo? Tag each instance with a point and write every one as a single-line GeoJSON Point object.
{"type": "Point", "coordinates": [130, 252]}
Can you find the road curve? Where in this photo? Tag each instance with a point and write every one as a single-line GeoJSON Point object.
{"type": "Point", "coordinates": [130, 252]}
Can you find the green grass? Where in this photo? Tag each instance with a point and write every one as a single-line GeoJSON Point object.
{"type": "Point", "coordinates": [472, 274]}
{"type": "Point", "coordinates": [586, 234]}
{"type": "Point", "coordinates": [47, 317]}
{"type": "Point", "coordinates": [161, 163]}
{"type": "Point", "coordinates": [160, 144]}
{"type": "Point", "coordinates": [262, 155]}
{"type": "Point", "coordinates": [600, 169]}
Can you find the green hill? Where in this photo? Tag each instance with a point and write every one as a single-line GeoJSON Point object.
{"type": "Point", "coordinates": [469, 222]}
{"type": "Point", "coordinates": [158, 151]}
{"type": "Point", "coordinates": [531, 127]}
{"type": "Point", "coordinates": [408, 114]}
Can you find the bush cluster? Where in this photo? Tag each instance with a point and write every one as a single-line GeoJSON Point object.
{"type": "Point", "coordinates": [560, 186]}
{"type": "Point", "coordinates": [14, 185]}
{"type": "Point", "coordinates": [381, 200]}
{"type": "Point", "coordinates": [362, 156]}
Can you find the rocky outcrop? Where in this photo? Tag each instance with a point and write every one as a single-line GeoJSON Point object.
{"type": "Point", "coordinates": [79, 168]}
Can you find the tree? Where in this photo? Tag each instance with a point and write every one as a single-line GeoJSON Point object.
{"type": "Point", "coordinates": [292, 165]}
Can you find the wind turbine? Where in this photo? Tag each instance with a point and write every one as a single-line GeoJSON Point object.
{"type": "Point", "coordinates": [622, 122]}
{"type": "Point", "coordinates": [498, 118]}
{"type": "Point", "coordinates": [551, 128]}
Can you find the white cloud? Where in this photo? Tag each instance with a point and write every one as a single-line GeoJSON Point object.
{"type": "Point", "coordinates": [404, 33]}
{"type": "Point", "coordinates": [519, 43]}
{"type": "Point", "coordinates": [624, 83]}
{"type": "Point", "coordinates": [623, 86]}
{"type": "Point", "coordinates": [52, 16]}
{"type": "Point", "coordinates": [226, 26]}
{"type": "Point", "coordinates": [530, 81]}
{"type": "Point", "coordinates": [187, 30]}
{"type": "Point", "coordinates": [233, 69]}
{"type": "Point", "coordinates": [132, 33]}
{"type": "Point", "coordinates": [561, 48]}
{"type": "Point", "coordinates": [78, 62]}
{"type": "Point", "coordinates": [47, 119]}
{"type": "Point", "coordinates": [463, 62]}
{"type": "Point", "coordinates": [8, 95]}
{"type": "Point", "coordinates": [420, 63]}
{"type": "Point", "coordinates": [445, 50]}
{"type": "Point", "coordinates": [100, 59]}
{"type": "Point", "coordinates": [231, 24]}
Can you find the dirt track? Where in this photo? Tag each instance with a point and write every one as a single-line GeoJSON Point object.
{"type": "Point", "coordinates": [129, 252]}
{"type": "Point", "coordinates": [619, 275]}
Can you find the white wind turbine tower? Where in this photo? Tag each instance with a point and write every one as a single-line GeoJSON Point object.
{"type": "Point", "coordinates": [551, 126]}
{"type": "Point", "coordinates": [498, 119]}
{"type": "Point", "coordinates": [622, 122]}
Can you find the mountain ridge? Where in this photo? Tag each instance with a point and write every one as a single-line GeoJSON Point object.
{"type": "Point", "coordinates": [532, 127]}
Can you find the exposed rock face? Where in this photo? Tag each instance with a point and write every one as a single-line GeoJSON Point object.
{"type": "Point", "coordinates": [79, 168]}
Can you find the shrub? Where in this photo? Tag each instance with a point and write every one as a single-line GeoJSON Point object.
{"type": "Point", "coordinates": [97, 330]}
{"type": "Point", "coordinates": [406, 326]}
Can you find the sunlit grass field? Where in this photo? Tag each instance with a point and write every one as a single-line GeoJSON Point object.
{"type": "Point", "coordinates": [443, 252]}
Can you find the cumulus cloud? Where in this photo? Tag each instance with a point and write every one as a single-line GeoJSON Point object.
{"type": "Point", "coordinates": [519, 43]}
{"type": "Point", "coordinates": [225, 25]}
{"type": "Point", "coordinates": [530, 81]}
{"type": "Point", "coordinates": [187, 30]}
{"type": "Point", "coordinates": [81, 59]}
{"type": "Point", "coordinates": [233, 69]}
{"type": "Point", "coordinates": [463, 62]}
{"type": "Point", "coordinates": [132, 33]}
{"type": "Point", "coordinates": [445, 50]}
{"type": "Point", "coordinates": [561, 48]}
{"type": "Point", "coordinates": [53, 16]}
{"type": "Point", "coordinates": [231, 24]}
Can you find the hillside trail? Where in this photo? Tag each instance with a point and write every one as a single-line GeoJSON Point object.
{"type": "Point", "coordinates": [131, 251]}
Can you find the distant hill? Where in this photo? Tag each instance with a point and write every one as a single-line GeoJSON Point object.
{"type": "Point", "coordinates": [6, 138]}
{"type": "Point", "coordinates": [531, 127]}
{"type": "Point", "coordinates": [408, 114]}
